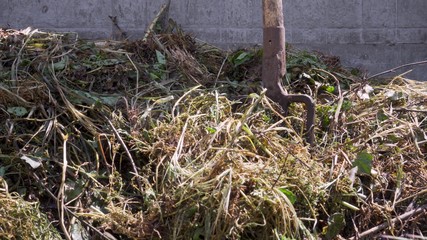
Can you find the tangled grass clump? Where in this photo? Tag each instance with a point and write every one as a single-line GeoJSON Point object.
{"type": "Point", "coordinates": [20, 219]}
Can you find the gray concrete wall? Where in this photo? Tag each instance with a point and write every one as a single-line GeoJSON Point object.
{"type": "Point", "coordinates": [372, 34]}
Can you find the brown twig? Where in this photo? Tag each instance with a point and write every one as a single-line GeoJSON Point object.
{"type": "Point", "coordinates": [118, 33]}
{"type": "Point", "coordinates": [46, 188]}
{"type": "Point", "coordinates": [410, 110]}
{"type": "Point", "coordinates": [160, 17]}
{"type": "Point", "coordinates": [61, 193]}
{"type": "Point", "coordinates": [397, 68]}
{"type": "Point", "coordinates": [412, 236]}
{"type": "Point", "coordinates": [138, 180]}
{"type": "Point", "coordinates": [393, 221]}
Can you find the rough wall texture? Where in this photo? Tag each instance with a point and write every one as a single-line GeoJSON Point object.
{"type": "Point", "coordinates": [372, 34]}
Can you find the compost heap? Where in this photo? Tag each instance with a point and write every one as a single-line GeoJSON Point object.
{"type": "Point", "coordinates": [171, 138]}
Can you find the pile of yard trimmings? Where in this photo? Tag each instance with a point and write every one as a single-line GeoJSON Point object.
{"type": "Point", "coordinates": [170, 138]}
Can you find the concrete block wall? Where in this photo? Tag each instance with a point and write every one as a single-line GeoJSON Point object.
{"type": "Point", "coordinates": [374, 35]}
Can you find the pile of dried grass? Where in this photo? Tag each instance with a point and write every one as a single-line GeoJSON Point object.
{"type": "Point", "coordinates": [21, 219]}
{"type": "Point", "coordinates": [388, 123]}
{"type": "Point", "coordinates": [223, 172]}
{"type": "Point", "coordinates": [160, 139]}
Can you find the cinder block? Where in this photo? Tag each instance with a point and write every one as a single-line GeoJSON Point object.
{"type": "Point", "coordinates": [153, 8]}
{"type": "Point", "coordinates": [89, 14]}
{"type": "Point", "coordinates": [88, 33]}
{"type": "Point", "coordinates": [4, 13]}
{"type": "Point", "coordinates": [412, 35]}
{"type": "Point", "coordinates": [21, 14]}
{"type": "Point", "coordinates": [254, 36]}
{"type": "Point", "coordinates": [130, 14]}
{"type": "Point", "coordinates": [413, 53]}
{"type": "Point", "coordinates": [343, 36]}
{"type": "Point", "coordinates": [379, 36]}
{"type": "Point", "coordinates": [234, 35]}
{"type": "Point", "coordinates": [51, 14]}
{"type": "Point", "coordinates": [289, 31]}
{"type": "Point", "coordinates": [209, 35]}
{"type": "Point", "coordinates": [411, 13]}
{"type": "Point", "coordinates": [178, 11]}
{"type": "Point", "coordinates": [379, 14]}
{"type": "Point", "coordinates": [325, 36]}
{"type": "Point", "coordinates": [221, 37]}
{"type": "Point", "coordinates": [323, 13]}
{"type": "Point", "coordinates": [204, 13]}
{"type": "Point", "coordinates": [306, 36]}
{"type": "Point", "coordinates": [242, 13]}
{"type": "Point", "coordinates": [135, 33]}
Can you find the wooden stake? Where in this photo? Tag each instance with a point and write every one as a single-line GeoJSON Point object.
{"type": "Point", "coordinates": [274, 64]}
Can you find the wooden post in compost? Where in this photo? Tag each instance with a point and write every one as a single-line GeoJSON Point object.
{"type": "Point", "coordinates": [274, 64]}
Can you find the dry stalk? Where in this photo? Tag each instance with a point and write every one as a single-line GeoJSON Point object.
{"type": "Point", "coordinates": [61, 192]}
{"type": "Point", "coordinates": [400, 218]}
{"type": "Point", "coordinates": [396, 68]}
{"type": "Point", "coordinates": [55, 198]}
{"type": "Point", "coordinates": [123, 144]}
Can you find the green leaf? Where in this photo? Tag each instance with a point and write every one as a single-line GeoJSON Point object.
{"type": "Point", "coordinates": [198, 234]}
{"type": "Point", "coordinates": [61, 64]}
{"type": "Point", "coordinates": [381, 116]}
{"type": "Point", "coordinates": [17, 111]}
{"type": "Point", "coordinates": [330, 89]}
{"type": "Point", "coordinates": [346, 105]}
{"type": "Point", "coordinates": [241, 58]}
{"type": "Point", "coordinates": [80, 97]}
{"type": "Point", "coordinates": [160, 58]}
{"type": "Point", "coordinates": [108, 62]}
{"type": "Point", "coordinates": [266, 118]}
{"type": "Point", "coordinates": [74, 189]}
{"type": "Point", "coordinates": [110, 101]}
{"type": "Point", "coordinates": [336, 223]}
{"type": "Point", "coordinates": [154, 76]}
{"type": "Point", "coordinates": [211, 130]}
{"type": "Point", "coordinates": [290, 195]}
{"type": "Point", "coordinates": [363, 162]}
